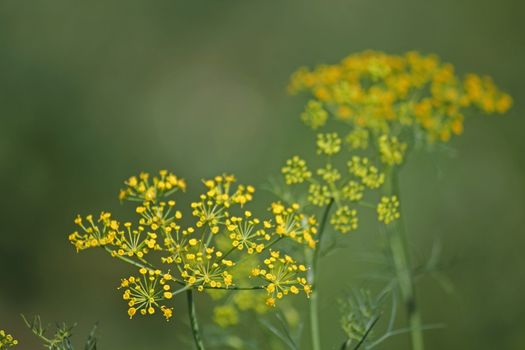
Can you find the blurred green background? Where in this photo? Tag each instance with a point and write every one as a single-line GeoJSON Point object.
{"type": "Point", "coordinates": [92, 92]}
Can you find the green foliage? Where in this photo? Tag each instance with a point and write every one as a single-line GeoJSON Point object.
{"type": "Point", "coordinates": [61, 338]}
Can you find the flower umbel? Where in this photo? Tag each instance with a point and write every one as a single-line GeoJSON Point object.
{"type": "Point", "coordinates": [191, 252]}
{"type": "Point", "coordinates": [146, 293]}
{"type": "Point", "coordinates": [295, 171]}
{"type": "Point", "coordinates": [6, 340]}
{"type": "Point", "coordinates": [388, 209]}
{"type": "Point", "coordinates": [282, 274]}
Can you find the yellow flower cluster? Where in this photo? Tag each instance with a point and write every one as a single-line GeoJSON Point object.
{"type": "Point", "coordinates": [387, 102]}
{"type": "Point", "coordinates": [388, 93]}
{"type": "Point", "coordinates": [314, 115]}
{"type": "Point", "coordinates": [204, 255]}
{"type": "Point", "coordinates": [247, 234]}
{"type": "Point", "coordinates": [145, 294]}
{"type": "Point", "coordinates": [144, 189]}
{"type": "Point", "coordinates": [345, 219]}
{"type": "Point", "coordinates": [225, 315]}
{"type": "Point", "coordinates": [6, 340]}
{"type": "Point", "coordinates": [391, 150]}
{"type": "Point", "coordinates": [290, 223]}
{"type": "Point", "coordinates": [328, 144]}
{"type": "Point", "coordinates": [357, 139]}
{"type": "Point", "coordinates": [353, 191]}
{"type": "Point", "coordinates": [319, 195]}
{"type": "Point", "coordinates": [346, 189]}
{"type": "Point", "coordinates": [388, 209]}
{"type": "Point", "coordinates": [295, 171]}
{"type": "Point", "coordinates": [283, 276]}
{"type": "Point", "coordinates": [369, 175]}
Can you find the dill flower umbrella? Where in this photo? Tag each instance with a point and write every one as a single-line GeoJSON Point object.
{"type": "Point", "coordinates": [172, 259]}
{"type": "Point", "coordinates": [381, 107]}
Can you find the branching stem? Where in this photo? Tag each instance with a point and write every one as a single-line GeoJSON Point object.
{"type": "Point", "coordinates": [193, 320]}
{"type": "Point", "coordinates": [313, 275]}
{"type": "Point", "coordinates": [401, 258]}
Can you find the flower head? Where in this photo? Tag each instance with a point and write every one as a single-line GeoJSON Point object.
{"type": "Point", "coordinates": [328, 144]}
{"type": "Point", "coordinates": [225, 315]}
{"type": "Point", "coordinates": [147, 293]}
{"type": "Point", "coordinates": [369, 175]}
{"type": "Point", "coordinates": [6, 340]}
{"type": "Point", "coordinates": [144, 188]}
{"type": "Point", "coordinates": [385, 94]}
{"type": "Point", "coordinates": [289, 222]}
{"type": "Point", "coordinates": [391, 150]}
{"type": "Point", "coordinates": [314, 115]}
{"type": "Point", "coordinates": [295, 171]}
{"type": "Point", "coordinates": [345, 219]}
{"type": "Point", "coordinates": [388, 209]}
{"type": "Point", "coordinates": [283, 275]}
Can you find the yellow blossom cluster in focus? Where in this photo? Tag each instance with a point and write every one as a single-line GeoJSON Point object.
{"type": "Point", "coordinates": [283, 276]}
{"type": "Point", "coordinates": [201, 254]}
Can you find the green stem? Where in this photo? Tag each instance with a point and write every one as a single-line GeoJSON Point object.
{"type": "Point", "coordinates": [193, 320]}
{"type": "Point", "coordinates": [401, 257]}
{"type": "Point", "coordinates": [313, 258]}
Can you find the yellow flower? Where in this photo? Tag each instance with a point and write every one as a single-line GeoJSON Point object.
{"type": "Point", "coordinates": [283, 275]}
{"type": "Point", "coordinates": [289, 222]}
{"type": "Point", "coordinates": [369, 175]}
{"type": "Point", "coordinates": [314, 115]}
{"type": "Point", "coordinates": [329, 173]}
{"type": "Point", "coordinates": [6, 340]}
{"type": "Point", "coordinates": [345, 219]}
{"type": "Point", "coordinates": [319, 194]}
{"type": "Point", "coordinates": [144, 189]}
{"type": "Point", "coordinates": [247, 234]}
{"type": "Point", "coordinates": [391, 150]}
{"type": "Point", "coordinates": [295, 171]}
{"type": "Point", "coordinates": [145, 294]}
{"type": "Point", "coordinates": [328, 144]}
{"type": "Point", "coordinates": [357, 139]}
{"type": "Point", "coordinates": [382, 94]}
{"type": "Point", "coordinates": [353, 191]}
{"type": "Point", "coordinates": [225, 315]}
{"type": "Point", "coordinates": [388, 209]}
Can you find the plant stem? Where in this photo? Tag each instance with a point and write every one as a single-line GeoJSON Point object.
{"type": "Point", "coordinates": [193, 320]}
{"type": "Point", "coordinates": [400, 254]}
{"type": "Point", "coordinates": [313, 258]}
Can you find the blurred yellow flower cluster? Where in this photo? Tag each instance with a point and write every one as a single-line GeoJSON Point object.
{"type": "Point", "coordinates": [6, 340]}
{"type": "Point", "coordinates": [384, 94]}
{"type": "Point", "coordinates": [202, 255]}
{"type": "Point", "coordinates": [346, 187]}
{"type": "Point", "coordinates": [385, 104]}
{"type": "Point", "coordinates": [388, 209]}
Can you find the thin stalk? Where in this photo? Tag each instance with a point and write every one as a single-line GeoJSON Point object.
{"type": "Point", "coordinates": [313, 258]}
{"type": "Point", "coordinates": [193, 320]}
{"type": "Point", "coordinates": [401, 257]}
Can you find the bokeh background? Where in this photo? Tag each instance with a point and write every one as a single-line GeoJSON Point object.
{"type": "Point", "coordinates": [92, 92]}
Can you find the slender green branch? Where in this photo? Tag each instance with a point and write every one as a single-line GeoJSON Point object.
{"type": "Point", "coordinates": [322, 227]}
{"type": "Point", "coordinates": [313, 258]}
{"type": "Point", "coordinates": [193, 320]}
{"type": "Point", "coordinates": [238, 288]}
{"type": "Point", "coordinates": [186, 286]}
{"type": "Point", "coordinates": [401, 257]}
{"type": "Point", "coordinates": [395, 332]}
